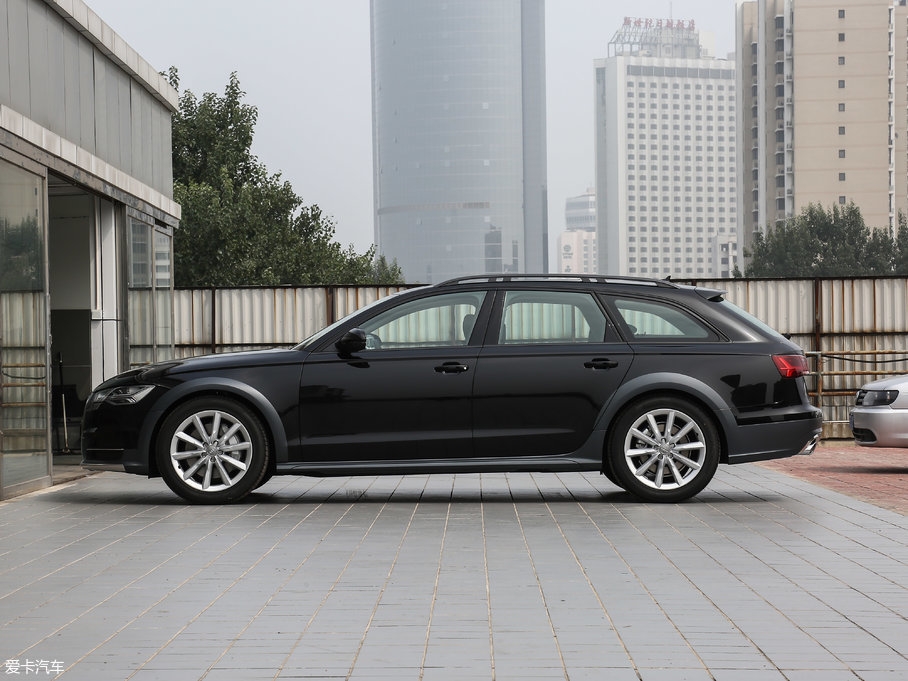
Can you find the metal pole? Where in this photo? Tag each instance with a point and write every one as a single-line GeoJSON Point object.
{"type": "Point", "coordinates": [214, 320]}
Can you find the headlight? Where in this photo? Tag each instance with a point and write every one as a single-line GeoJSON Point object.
{"type": "Point", "coordinates": [124, 394]}
{"type": "Point", "coordinates": [875, 398]}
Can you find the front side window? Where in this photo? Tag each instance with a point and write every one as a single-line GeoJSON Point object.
{"type": "Point", "coordinates": [657, 321]}
{"type": "Point", "coordinates": [532, 317]}
{"type": "Point", "coordinates": [436, 322]}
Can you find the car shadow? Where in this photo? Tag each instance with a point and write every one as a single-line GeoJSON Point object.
{"type": "Point", "coordinates": [339, 497]}
{"type": "Point", "coordinates": [864, 470]}
{"type": "Point", "coordinates": [347, 494]}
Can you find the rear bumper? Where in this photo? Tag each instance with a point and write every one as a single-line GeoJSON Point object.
{"type": "Point", "coordinates": [775, 440]}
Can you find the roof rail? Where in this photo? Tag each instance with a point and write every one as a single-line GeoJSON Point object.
{"type": "Point", "coordinates": [585, 278]}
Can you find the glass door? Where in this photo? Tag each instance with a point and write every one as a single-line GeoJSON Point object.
{"type": "Point", "coordinates": [150, 290]}
{"type": "Point", "coordinates": [24, 409]}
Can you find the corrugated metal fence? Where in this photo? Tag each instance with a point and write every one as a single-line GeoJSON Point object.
{"type": "Point", "coordinates": [854, 330]}
{"type": "Point", "coordinates": [229, 319]}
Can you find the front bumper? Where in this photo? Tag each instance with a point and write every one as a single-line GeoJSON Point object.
{"type": "Point", "coordinates": [880, 426]}
{"type": "Point", "coordinates": [110, 439]}
{"type": "Point", "coordinates": [121, 460]}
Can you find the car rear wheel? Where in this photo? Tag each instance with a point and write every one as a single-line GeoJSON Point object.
{"type": "Point", "coordinates": [212, 450]}
{"type": "Point", "coordinates": [664, 449]}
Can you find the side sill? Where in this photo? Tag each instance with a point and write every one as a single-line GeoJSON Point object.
{"type": "Point", "coordinates": [543, 464]}
{"type": "Point", "coordinates": [113, 467]}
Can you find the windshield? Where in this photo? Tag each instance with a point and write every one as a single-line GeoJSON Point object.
{"type": "Point", "coordinates": [750, 319]}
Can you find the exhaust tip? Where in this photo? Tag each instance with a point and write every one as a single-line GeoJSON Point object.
{"type": "Point", "coordinates": [810, 446]}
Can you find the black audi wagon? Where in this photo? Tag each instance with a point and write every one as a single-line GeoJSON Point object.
{"type": "Point", "coordinates": [651, 383]}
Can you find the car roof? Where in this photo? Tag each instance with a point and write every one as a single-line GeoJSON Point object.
{"type": "Point", "coordinates": [664, 284]}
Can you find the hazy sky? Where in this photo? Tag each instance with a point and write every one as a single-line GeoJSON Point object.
{"type": "Point", "coordinates": [305, 64]}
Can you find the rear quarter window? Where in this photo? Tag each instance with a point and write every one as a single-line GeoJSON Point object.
{"type": "Point", "coordinates": [660, 322]}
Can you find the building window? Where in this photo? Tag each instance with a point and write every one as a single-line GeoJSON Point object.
{"type": "Point", "coordinates": [841, 37]}
{"type": "Point", "coordinates": [841, 84]}
{"type": "Point", "coordinates": [841, 177]}
{"type": "Point", "coordinates": [841, 106]}
{"type": "Point", "coordinates": [841, 14]}
{"type": "Point", "coordinates": [841, 153]}
{"type": "Point", "coordinates": [841, 61]}
{"type": "Point", "coordinates": [841, 129]}
{"type": "Point", "coordinates": [842, 200]}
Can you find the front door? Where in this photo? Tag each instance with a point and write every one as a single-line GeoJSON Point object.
{"type": "Point", "coordinates": [551, 362]}
{"type": "Point", "coordinates": [406, 396]}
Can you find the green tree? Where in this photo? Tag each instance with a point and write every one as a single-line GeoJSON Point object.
{"type": "Point", "coordinates": [823, 243]}
{"type": "Point", "coordinates": [22, 266]}
{"type": "Point", "coordinates": [242, 225]}
{"type": "Point", "coordinates": [900, 255]}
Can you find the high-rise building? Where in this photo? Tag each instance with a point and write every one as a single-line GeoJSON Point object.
{"type": "Point", "coordinates": [577, 250]}
{"type": "Point", "coordinates": [665, 153]}
{"type": "Point", "coordinates": [822, 116]}
{"type": "Point", "coordinates": [458, 111]}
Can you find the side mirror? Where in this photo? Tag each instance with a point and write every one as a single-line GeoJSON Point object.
{"type": "Point", "coordinates": [352, 341]}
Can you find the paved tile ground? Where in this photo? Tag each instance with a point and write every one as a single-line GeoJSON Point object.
{"type": "Point", "coordinates": [763, 577]}
{"type": "Point", "coordinates": [875, 474]}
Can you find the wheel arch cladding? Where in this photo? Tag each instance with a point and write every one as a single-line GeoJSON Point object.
{"type": "Point", "coordinates": [250, 398]}
{"type": "Point", "coordinates": [678, 386]}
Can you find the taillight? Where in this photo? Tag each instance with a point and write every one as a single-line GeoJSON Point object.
{"type": "Point", "coordinates": [791, 366]}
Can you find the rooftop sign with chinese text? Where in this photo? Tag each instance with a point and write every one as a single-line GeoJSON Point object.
{"type": "Point", "coordinates": [637, 22]}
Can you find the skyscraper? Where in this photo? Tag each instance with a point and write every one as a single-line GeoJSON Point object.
{"type": "Point", "coordinates": [577, 250]}
{"type": "Point", "coordinates": [665, 153]}
{"type": "Point", "coordinates": [823, 106]}
{"type": "Point", "coordinates": [458, 115]}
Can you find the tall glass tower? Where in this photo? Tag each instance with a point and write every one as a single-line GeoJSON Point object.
{"type": "Point", "coordinates": [458, 116]}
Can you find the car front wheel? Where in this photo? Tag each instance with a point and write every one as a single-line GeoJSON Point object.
{"type": "Point", "coordinates": [664, 449]}
{"type": "Point", "coordinates": [212, 450]}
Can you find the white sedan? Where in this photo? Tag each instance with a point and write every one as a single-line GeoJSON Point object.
{"type": "Point", "coordinates": [880, 414]}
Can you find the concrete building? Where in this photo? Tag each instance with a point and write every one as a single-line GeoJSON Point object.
{"type": "Point", "coordinates": [665, 153]}
{"type": "Point", "coordinates": [459, 136]}
{"type": "Point", "coordinates": [822, 116]}
{"type": "Point", "coordinates": [577, 250]}
{"type": "Point", "coordinates": [86, 224]}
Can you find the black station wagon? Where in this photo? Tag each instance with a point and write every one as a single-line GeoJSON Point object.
{"type": "Point", "coordinates": [651, 383]}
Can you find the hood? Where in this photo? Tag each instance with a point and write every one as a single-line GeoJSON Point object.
{"type": "Point", "coordinates": [160, 370]}
{"type": "Point", "coordinates": [891, 383]}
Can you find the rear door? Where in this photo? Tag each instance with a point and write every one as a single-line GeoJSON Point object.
{"type": "Point", "coordinates": [551, 361]}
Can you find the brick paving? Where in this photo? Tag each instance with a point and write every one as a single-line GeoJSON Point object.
{"type": "Point", "coordinates": [875, 474]}
{"type": "Point", "coordinates": [762, 577]}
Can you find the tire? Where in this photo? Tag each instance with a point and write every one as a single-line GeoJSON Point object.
{"type": "Point", "coordinates": [664, 449]}
{"type": "Point", "coordinates": [608, 472]}
{"type": "Point", "coordinates": [265, 478]}
{"type": "Point", "coordinates": [212, 450]}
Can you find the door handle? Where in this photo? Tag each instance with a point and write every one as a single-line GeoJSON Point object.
{"type": "Point", "coordinates": [601, 363]}
{"type": "Point", "coordinates": [451, 368]}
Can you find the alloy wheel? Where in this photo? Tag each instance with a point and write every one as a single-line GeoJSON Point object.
{"type": "Point", "coordinates": [665, 449]}
{"type": "Point", "coordinates": [211, 450]}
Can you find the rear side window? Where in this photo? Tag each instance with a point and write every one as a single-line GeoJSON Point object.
{"type": "Point", "coordinates": [533, 317]}
{"type": "Point", "coordinates": [648, 320]}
